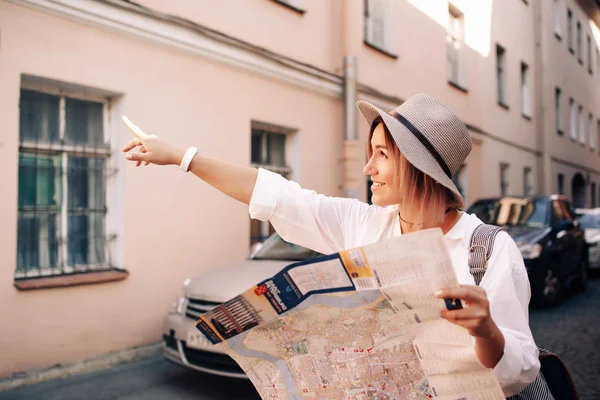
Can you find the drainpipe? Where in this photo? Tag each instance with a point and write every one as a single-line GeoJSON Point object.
{"type": "Point", "coordinates": [353, 177]}
{"type": "Point", "coordinates": [354, 182]}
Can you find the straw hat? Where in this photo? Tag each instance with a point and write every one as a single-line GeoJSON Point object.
{"type": "Point", "coordinates": [429, 135]}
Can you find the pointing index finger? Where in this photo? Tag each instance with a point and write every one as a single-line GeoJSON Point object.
{"type": "Point", "coordinates": [133, 128]}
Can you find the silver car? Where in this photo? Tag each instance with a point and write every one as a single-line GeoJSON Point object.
{"type": "Point", "coordinates": [589, 220]}
{"type": "Point", "coordinates": [184, 344]}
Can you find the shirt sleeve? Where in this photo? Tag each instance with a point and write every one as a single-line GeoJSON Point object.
{"type": "Point", "coordinates": [318, 222]}
{"type": "Point", "coordinates": [507, 288]}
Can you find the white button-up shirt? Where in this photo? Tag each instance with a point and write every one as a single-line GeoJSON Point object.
{"type": "Point", "coordinates": [330, 224]}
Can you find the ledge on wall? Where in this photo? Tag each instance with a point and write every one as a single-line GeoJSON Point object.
{"type": "Point", "coordinates": [86, 278]}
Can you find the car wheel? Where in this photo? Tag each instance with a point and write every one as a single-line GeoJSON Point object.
{"type": "Point", "coordinates": [582, 282]}
{"type": "Point", "coordinates": [549, 291]}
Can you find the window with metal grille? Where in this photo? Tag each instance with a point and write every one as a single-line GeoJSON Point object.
{"type": "Point", "coordinates": [268, 152]}
{"type": "Point", "coordinates": [62, 209]}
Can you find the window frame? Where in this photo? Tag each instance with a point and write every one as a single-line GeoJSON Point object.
{"type": "Point", "coordinates": [65, 152]}
{"type": "Point", "coordinates": [557, 21]}
{"type": "Point", "coordinates": [455, 33]}
{"type": "Point", "coordinates": [579, 43]}
{"type": "Point", "coordinates": [504, 182]}
{"type": "Point", "coordinates": [572, 119]}
{"type": "Point", "coordinates": [581, 124]}
{"type": "Point", "coordinates": [387, 47]}
{"type": "Point", "coordinates": [501, 94]}
{"type": "Point", "coordinates": [265, 130]}
{"type": "Point", "coordinates": [592, 134]}
{"type": "Point", "coordinates": [558, 110]}
{"type": "Point", "coordinates": [560, 183]}
{"type": "Point", "coordinates": [527, 187]}
{"type": "Point", "coordinates": [526, 105]}
{"type": "Point", "coordinates": [570, 37]}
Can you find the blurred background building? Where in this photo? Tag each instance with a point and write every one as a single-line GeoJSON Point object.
{"type": "Point", "coordinates": [94, 250]}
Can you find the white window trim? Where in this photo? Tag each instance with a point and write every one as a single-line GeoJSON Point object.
{"type": "Point", "coordinates": [114, 186]}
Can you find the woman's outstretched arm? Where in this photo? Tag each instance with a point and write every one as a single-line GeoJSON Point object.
{"type": "Point", "coordinates": [236, 181]}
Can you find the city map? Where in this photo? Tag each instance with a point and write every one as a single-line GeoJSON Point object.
{"type": "Point", "coordinates": [360, 324]}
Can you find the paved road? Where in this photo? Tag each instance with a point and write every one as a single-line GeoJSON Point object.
{"type": "Point", "coordinates": [571, 330]}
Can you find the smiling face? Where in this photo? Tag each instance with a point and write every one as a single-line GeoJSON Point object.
{"type": "Point", "coordinates": [382, 166]}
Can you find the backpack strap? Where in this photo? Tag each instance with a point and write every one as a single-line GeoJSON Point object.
{"type": "Point", "coordinates": [480, 249]}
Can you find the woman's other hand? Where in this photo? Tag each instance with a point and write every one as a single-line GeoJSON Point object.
{"type": "Point", "coordinates": [476, 319]}
{"type": "Point", "coordinates": [151, 148]}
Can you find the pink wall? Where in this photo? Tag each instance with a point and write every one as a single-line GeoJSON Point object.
{"type": "Point", "coordinates": [175, 226]}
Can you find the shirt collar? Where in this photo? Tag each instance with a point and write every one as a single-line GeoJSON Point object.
{"type": "Point", "coordinates": [459, 230]}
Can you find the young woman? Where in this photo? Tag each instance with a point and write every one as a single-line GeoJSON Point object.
{"type": "Point", "coordinates": [413, 151]}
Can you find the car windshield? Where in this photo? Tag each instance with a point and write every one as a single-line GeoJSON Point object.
{"type": "Point", "coordinates": [275, 248]}
{"type": "Point", "coordinates": [512, 212]}
{"type": "Point", "coordinates": [590, 221]}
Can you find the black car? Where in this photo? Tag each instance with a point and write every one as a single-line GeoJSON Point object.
{"type": "Point", "coordinates": [547, 232]}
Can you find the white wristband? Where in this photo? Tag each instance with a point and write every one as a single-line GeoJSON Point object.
{"type": "Point", "coordinates": [187, 159]}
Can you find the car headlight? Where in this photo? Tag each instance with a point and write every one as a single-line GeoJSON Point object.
{"type": "Point", "coordinates": [529, 251]}
{"type": "Point", "coordinates": [179, 305]}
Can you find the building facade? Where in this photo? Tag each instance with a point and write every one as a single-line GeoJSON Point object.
{"type": "Point", "coordinates": [94, 250]}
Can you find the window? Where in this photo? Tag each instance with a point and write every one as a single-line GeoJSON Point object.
{"type": "Point", "coordinates": [454, 41]}
{"type": "Point", "coordinates": [557, 110]}
{"type": "Point", "coordinates": [63, 172]}
{"type": "Point", "coordinates": [598, 62]}
{"type": "Point", "coordinates": [503, 179]}
{"type": "Point", "coordinates": [572, 119]}
{"type": "Point", "coordinates": [593, 193]}
{"type": "Point", "coordinates": [525, 91]}
{"type": "Point", "coordinates": [500, 62]}
{"type": "Point", "coordinates": [557, 14]}
{"type": "Point", "coordinates": [527, 182]}
{"type": "Point", "coordinates": [268, 152]}
{"type": "Point", "coordinates": [561, 184]}
{"type": "Point", "coordinates": [570, 30]}
{"type": "Point", "coordinates": [589, 54]}
{"type": "Point", "coordinates": [579, 44]}
{"type": "Point", "coordinates": [591, 129]}
{"type": "Point", "coordinates": [378, 32]}
{"type": "Point", "coordinates": [581, 125]}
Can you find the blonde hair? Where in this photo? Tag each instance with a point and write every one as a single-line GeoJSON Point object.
{"type": "Point", "coordinates": [428, 200]}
